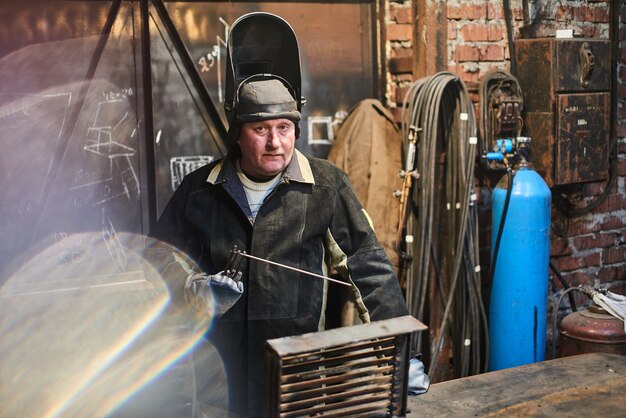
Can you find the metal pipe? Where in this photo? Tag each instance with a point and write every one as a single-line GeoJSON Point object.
{"type": "Point", "coordinates": [148, 111]}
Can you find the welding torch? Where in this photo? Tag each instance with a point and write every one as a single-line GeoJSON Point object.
{"type": "Point", "coordinates": [236, 257]}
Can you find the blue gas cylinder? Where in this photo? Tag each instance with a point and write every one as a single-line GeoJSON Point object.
{"type": "Point", "coordinates": [519, 291]}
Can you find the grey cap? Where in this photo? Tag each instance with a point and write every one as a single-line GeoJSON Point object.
{"type": "Point", "coordinates": [263, 99]}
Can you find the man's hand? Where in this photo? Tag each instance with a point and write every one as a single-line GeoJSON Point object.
{"type": "Point", "coordinates": [213, 294]}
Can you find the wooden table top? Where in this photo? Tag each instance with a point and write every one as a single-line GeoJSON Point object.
{"type": "Point", "coordinates": [588, 385]}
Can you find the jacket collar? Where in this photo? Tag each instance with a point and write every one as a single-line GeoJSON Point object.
{"type": "Point", "coordinates": [298, 170]}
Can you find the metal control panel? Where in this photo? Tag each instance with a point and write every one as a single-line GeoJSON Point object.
{"type": "Point", "coordinates": [566, 90]}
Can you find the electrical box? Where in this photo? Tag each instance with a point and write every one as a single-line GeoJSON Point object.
{"type": "Point", "coordinates": [566, 89]}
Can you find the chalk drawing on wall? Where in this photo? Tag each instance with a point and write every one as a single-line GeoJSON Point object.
{"type": "Point", "coordinates": [213, 59]}
{"type": "Point", "coordinates": [181, 166]}
{"type": "Point", "coordinates": [106, 138]}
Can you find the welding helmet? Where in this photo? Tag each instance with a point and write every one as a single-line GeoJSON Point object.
{"type": "Point", "coordinates": [263, 78]}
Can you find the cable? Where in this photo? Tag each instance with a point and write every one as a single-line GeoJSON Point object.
{"type": "Point", "coordinates": [565, 285]}
{"type": "Point", "coordinates": [443, 219]}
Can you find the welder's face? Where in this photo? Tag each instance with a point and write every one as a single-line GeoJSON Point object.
{"type": "Point", "coordinates": [266, 147]}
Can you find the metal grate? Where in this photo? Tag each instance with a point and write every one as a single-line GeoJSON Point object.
{"type": "Point", "coordinates": [358, 371]}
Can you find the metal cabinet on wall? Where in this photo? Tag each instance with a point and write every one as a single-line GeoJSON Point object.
{"type": "Point", "coordinates": [566, 86]}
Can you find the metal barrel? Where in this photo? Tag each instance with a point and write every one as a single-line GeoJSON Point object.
{"type": "Point", "coordinates": [592, 330]}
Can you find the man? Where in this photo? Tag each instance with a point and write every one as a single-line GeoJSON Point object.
{"type": "Point", "coordinates": [268, 199]}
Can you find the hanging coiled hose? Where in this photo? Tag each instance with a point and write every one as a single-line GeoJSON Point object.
{"type": "Point", "coordinates": [444, 226]}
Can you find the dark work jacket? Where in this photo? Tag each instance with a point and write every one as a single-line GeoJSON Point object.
{"type": "Point", "coordinates": [311, 217]}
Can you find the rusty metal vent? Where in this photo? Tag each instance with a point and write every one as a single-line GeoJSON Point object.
{"type": "Point", "coordinates": [358, 371]}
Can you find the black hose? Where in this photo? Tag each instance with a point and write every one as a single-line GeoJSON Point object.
{"type": "Point", "coordinates": [440, 107]}
{"type": "Point", "coordinates": [505, 209]}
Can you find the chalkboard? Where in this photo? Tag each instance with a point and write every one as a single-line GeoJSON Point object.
{"type": "Point", "coordinates": [72, 126]}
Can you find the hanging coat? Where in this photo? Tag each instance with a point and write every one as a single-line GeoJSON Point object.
{"type": "Point", "coordinates": [368, 147]}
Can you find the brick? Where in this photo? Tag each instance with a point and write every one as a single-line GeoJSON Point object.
{"type": "Point", "coordinates": [612, 203]}
{"type": "Point", "coordinates": [614, 255]}
{"type": "Point", "coordinates": [580, 278]}
{"type": "Point", "coordinates": [401, 14]}
{"type": "Point", "coordinates": [469, 11]}
{"type": "Point", "coordinates": [479, 32]}
{"type": "Point", "coordinates": [572, 263]}
{"type": "Point", "coordinates": [621, 110]}
{"type": "Point", "coordinates": [492, 52]}
{"type": "Point", "coordinates": [470, 77]}
{"type": "Point", "coordinates": [494, 10]}
{"type": "Point", "coordinates": [453, 30]}
{"type": "Point", "coordinates": [595, 14]}
{"type": "Point", "coordinates": [401, 52]}
{"type": "Point", "coordinates": [611, 222]}
{"type": "Point", "coordinates": [621, 169]}
{"type": "Point", "coordinates": [397, 32]}
{"type": "Point", "coordinates": [401, 65]}
{"type": "Point", "coordinates": [621, 129]}
{"type": "Point", "coordinates": [559, 247]}
{"type": "Point", "coordinates": [581, 226]}
{"type": "Point", "coordinates": [589, 242]}
{"type": "Point", "coordinates": [464, 53]}
{"type": "Point", "coordinates": [607, 274]}
{"type": "Point", "coordinates": [621, 88]}
{"type": "Point", "coordinates": [487, 52]}
{"type": "Point", "coordinates": [401, 93]}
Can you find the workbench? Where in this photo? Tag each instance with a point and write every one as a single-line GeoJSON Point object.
{"type": "Point", "coordinates": [586, 385]}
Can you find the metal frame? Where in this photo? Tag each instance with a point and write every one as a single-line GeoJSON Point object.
{"type": "Point", "coordinates": [352, 371]}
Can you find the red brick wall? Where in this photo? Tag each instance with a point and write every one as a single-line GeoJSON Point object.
{"type": "Point", "coordinates": [589, 249]}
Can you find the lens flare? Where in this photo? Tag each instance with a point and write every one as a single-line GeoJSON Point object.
{"type": "Point", "coordinates": [87, 331]}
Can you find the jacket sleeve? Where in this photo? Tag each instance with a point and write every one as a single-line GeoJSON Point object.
{"type": "Point", "coordinates": [170, 246]}
{"type": "Point", "coordinates": [358, 256]}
